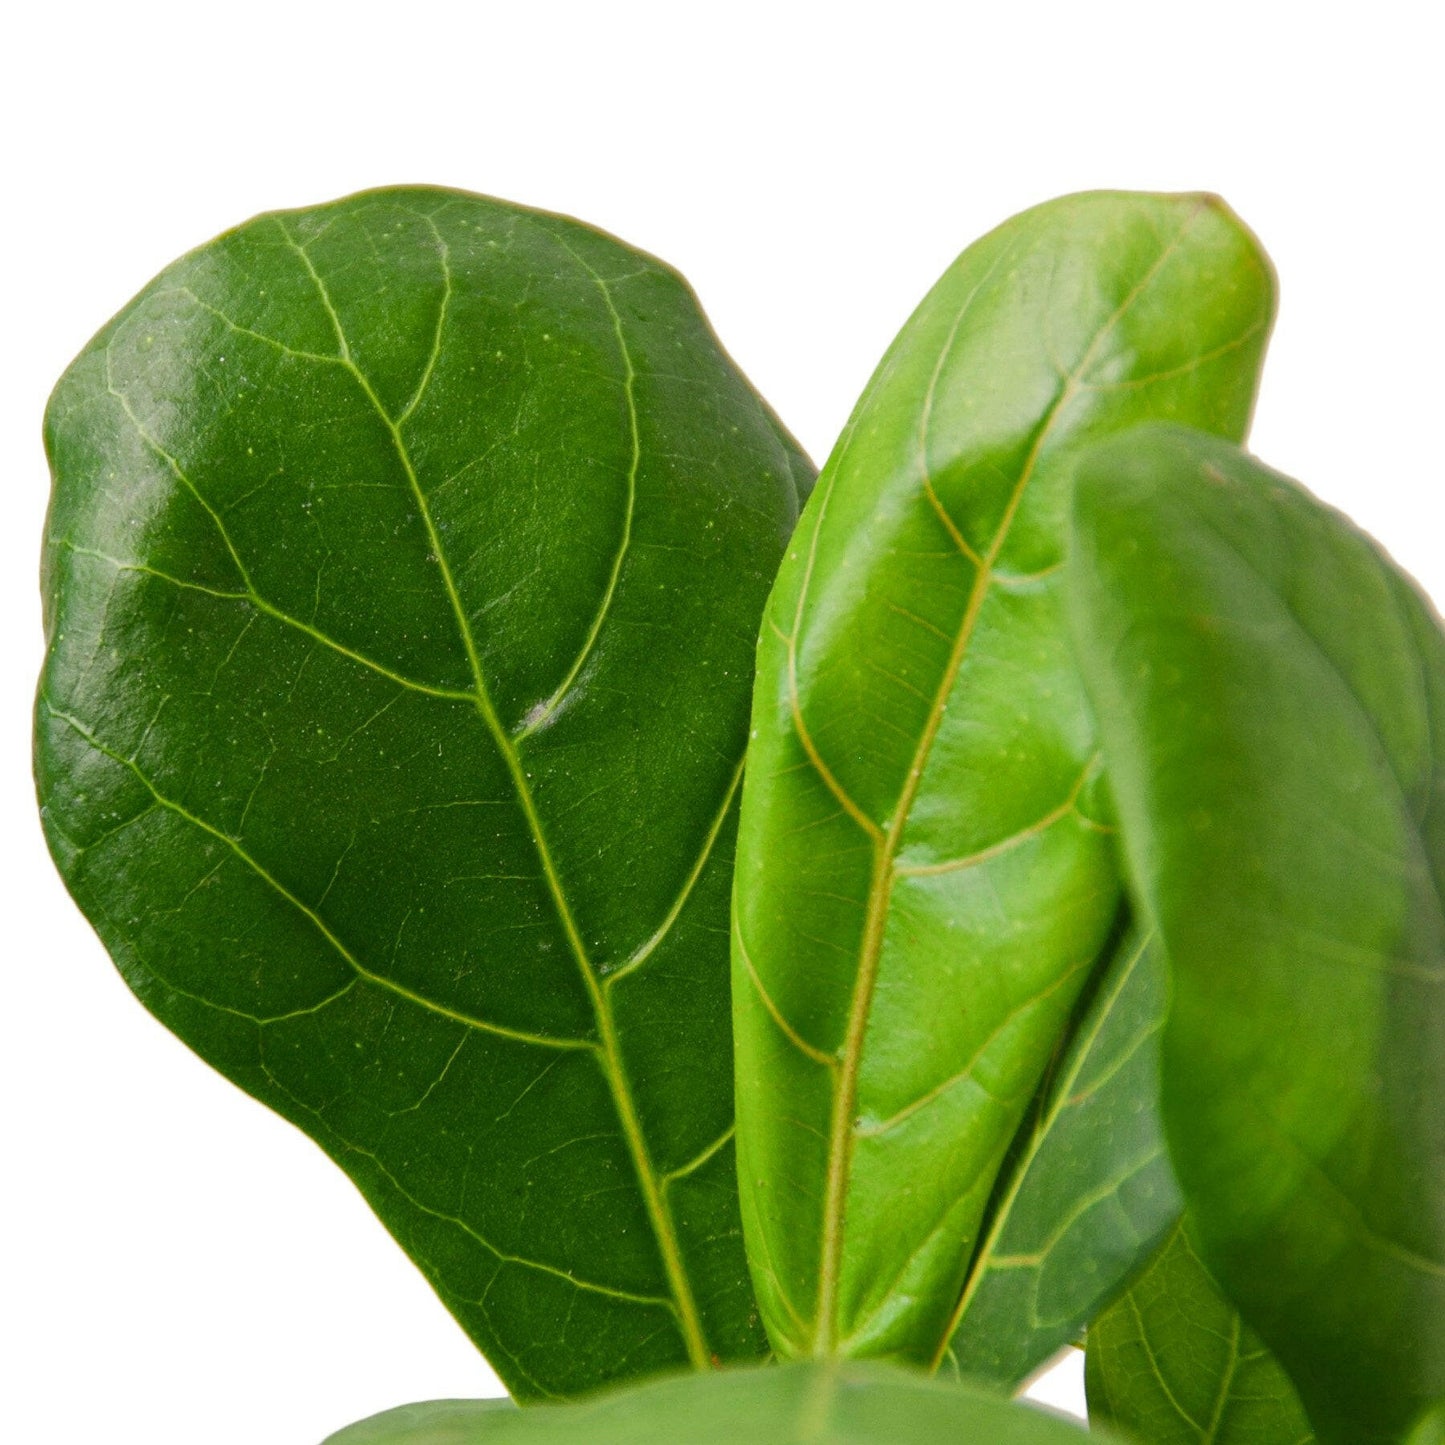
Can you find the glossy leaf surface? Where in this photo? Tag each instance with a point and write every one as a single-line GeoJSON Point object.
{"type": "Point", "coordinates": [924, 882]}
{"type": "Point", "coordinates": [797, 1404]}
{"type": "Point", "coordinates": [1089, 1195]}
{"type": "Point", "coordinates": [405, 563]}
{"type": "Point", "coordinates": [1172, 1363]}
{"type": "Point", "coordinates": [1270, 691]}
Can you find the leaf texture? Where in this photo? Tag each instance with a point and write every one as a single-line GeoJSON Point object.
{"type": "Point", "coordinates": [925, 879]}
{"type": "Point", "coordinates": [1270, 689]}
{"type": "Point", "coordinates": [1172, 1363]}
{"type": "Point", "coordinates": [797, 1404]}
{"type": "Point", "coordinates": [405, 560]}
{"type": "Point", "coordinates": [1090, 1195]}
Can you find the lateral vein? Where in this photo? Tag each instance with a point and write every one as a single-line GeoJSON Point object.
{"type": "Point", "coordinates": [380, 980]}
{"type": "Point", "coordinates": [842, 1133]}
{"type": "Point", "coordinates": [540, 715]}
{"type": "Point", "coordinates": [261, 604]}
{"type": "Point", "coordinates": [610, 1054]}
{"type": "Point", "coordinates": [646, 949]}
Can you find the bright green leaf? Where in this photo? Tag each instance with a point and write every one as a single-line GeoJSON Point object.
{"type": "Point", "coordinates": [404, 567]}
{"type": "Point", "coordinates": [434, 1422]}
{"type": "Point", "coordinates": [1430, 1428]}
{"type": "Point", "coordinates": [1173, 1364]}
{"type": "Point", "coordinates": [798, 1404]}
{"type": "Point", "coordinates": [924, 879]}
{"type": "Point", "coordinates": [1269, 689]}
{"type": "Point", "coordinates": [1089, 1196]}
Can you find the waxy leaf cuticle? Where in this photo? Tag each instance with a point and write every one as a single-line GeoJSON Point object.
{"type": "Point", "coordinates": [402, 574]}
{"type": "Point", "coordinates": [925, 877]}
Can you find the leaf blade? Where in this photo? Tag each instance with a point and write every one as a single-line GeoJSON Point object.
{"type": "Point", "coordinates": [1091, 1196]}
{"type": "Point", "coordinates": [1172, 1363]}
{"type": "Point", "coordinates": [431, 1422]}
{"type": "Point", "coordinates": [797, 1404]}
{"type": "Point", "coordinates": [1266, 683]}
{"type": "Point", "coordinates": [385, 539]}
{"type": "Point", "coordinates": [875, 829]}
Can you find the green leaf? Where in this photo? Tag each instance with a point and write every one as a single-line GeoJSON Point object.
{"type": "Point", "coordinates": [434, 1422]}
{"type": "Point", "coordinates": [797, 1404]}
{"type": "Point", "coordinates": [1091, 1194]}
{"type": "Point", "coordinates": [1430, 1427]}
{"type": "Point", "coordinates": [1269, 689]}
{"type": "Point", "coordinates": [1173, 1364]}
{"type": "Point", "coordinates": [404, 568]}
{"type": "Point", "coordinates": [924, 878]}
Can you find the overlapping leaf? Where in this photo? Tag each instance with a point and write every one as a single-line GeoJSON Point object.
{"type": "Point", "coordinates": [432, 1422]}
{"type": "Point", "coordinates": [1172, 1363]}
{"type": "Point", "coordinates": [797, 1404]}
{"type": "Point", "coordinates": [1090, 1194]}
{"type": "Point", "coordinates": [925, 880]}
{"type": "Point", "coordinates": [405, 563]}
{"type": "Point", "coordinates": [1270, 691]}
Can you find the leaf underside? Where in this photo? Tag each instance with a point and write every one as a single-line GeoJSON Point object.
{"type": "Point", "coordinates": [432, 1422]}
{"type": "Point", "coordinates": [1090, 1194]}
{"type": "Point", "coordinates": [926, 874]}
{"type": "Point", "coordinates": [796, 1404]}
{"type": "Point", "coordinates": [404, 565]}
{"type": "Point", "coordinates": [1172, 1363]}
{"type": "Point", "coordinates": [1270, 690]}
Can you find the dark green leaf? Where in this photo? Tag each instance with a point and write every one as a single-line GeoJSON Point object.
{"type": "Point", "coordinates": [1173, 1364]}
{"type": "Point", "coordinates": [435, 1422]}
{"type": "Point", "coordinates": [798, 1404]}
{"type": "Point", "coordinates": [1091, 1193]}
{"type": "Point", "coordinates": [1270, 690]}
{"type": "Point", "coordinates": [924, 882]}
{"type": "Point", "coordinates": [405, 563]}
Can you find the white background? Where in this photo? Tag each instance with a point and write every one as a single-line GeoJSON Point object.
{"type": "Point", "coordinates": [181, 1267]}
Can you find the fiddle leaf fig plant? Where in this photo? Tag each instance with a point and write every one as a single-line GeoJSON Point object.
{"type": "Point", "coordinates": [927, 872]}
{"type": "Point", "coordinates": [792, 941]}
{"type": "Point", "coordinates": [402, 576]}
{"type": "Point", "coordinates": [1270, 690]}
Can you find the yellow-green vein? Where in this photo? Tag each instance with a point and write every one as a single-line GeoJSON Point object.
{"type": "Point", "coordinates": [842, 1135]}
{"type": "Point", "coordinates": [610, 1054]}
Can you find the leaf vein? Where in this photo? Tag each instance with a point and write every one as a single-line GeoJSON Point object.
{"type": "Point", "coordinates": [380, 980]}
{"type": "Point", "coordinates": [659, 1215]}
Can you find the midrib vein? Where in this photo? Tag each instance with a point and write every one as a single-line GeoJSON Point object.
{"type": "Point", "coordinates": [610, 1055]}
{"type": "Point", "coordinates": [1142, 1330]}
{"type": "Point", "coordinates": [880, 893]}
{"type": "Point", "coordinates": [884, 871]}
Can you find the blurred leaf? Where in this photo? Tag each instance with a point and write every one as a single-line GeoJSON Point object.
{"type": "Point", "coordinates": [1270, 690]}
{"type": "Point", "coordinates": [1173, 1364]}
{"type": "Point", "coordinates": [435, 1422]}
{"type": "Point", "coordinates": [798, 1404]}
